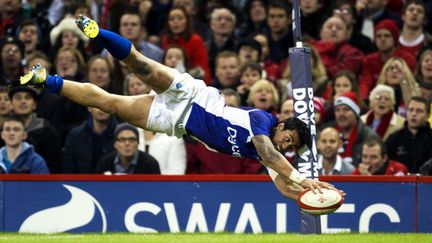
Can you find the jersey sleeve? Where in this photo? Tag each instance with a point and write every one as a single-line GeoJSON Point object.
{"type": "Point", "coordinates": [262, 123]}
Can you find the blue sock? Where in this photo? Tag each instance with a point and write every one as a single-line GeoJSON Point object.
{"type": "Point", "coordinates": [54, 83]}
{"type": "Point", "coordinates": [117, 45]}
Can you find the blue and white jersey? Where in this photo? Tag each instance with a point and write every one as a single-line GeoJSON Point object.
{"type": "Point", "coordinates": [227, 129]}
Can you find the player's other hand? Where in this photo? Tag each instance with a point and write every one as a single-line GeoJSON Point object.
{"type": "Point", "coordinates": [315, 186]}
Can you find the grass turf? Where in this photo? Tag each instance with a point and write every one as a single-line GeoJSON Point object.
{"type": "Point", "coordinates": [212, 238]}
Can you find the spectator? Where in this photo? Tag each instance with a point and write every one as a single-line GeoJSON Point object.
{"type": "Point", "coordinates": [17, 156]}
{"type": "Point", "coordinates": [12, 52]}
{"type": "Point", "coordinates": [178, 31]}
{"type": "Point", "coordinates": [374, 160]}
{"type": "Point", "coordinates": [265, 49]}
{"type": "Point", "coordinates": [413, 36]}
{"type": "Point", "coordinates": [381, 117]}
{"type": "Point", "coordinates": [50, 106]}
{"type": "Point", "coordinates": [175, 57]}
{"type": "Point", "coordinates": [263, 95]}
{"type": "Point", "coordinates": [353, 131]}
{"type": "Point", "coordinates": [279, 33]}
{"type": "Point", "coordinates": [249, 50]}
{"type": "Point", "coordinates": [255, 12]}
{"type": "Point", "coordinates": [222, 25]}
{"type": "Point", "coordinates": [86, 144]}
{"type": "Point", "coordinates": [45, 138]}
{"type": "Point", "coordinates": [345, 10]}
{"type": "Point", "coordinates": [232, 98]}
{"type": "Point", "coordinates": [371, 12]}
{"type": "Point", "coordinates": [11, 16]}
{"type": "Point", "coordinates": [426, 168]}
{"type": "Point", "coordinates": [397, 75]}
{"type": "Point", "coordinates": [250, 72]}
{"type": "Point", "coordinates": [386, 36]}
{"type": "Point", "coordinates": [131, 28]}
{"type": "Point", "coordinates": [127, 159]}
{"type": "Point", "coordinates": [5, 104]}
{"type": "Point", "coordinates": [69, 63]}
{"type": "Point", "coordinates": [29, 34]}
{"type": "Point", "coordinates": [67, 34]}
{"type": "Point", "coordinates": [424, 67]}
{"type": "Point", "coordinates": [311, 16]}
{"type": "Point", "coordinates": [286, 110]}
{"type": "Point", "coordinates": [412, 145]}
{"type": "Point", "coordinates": [334, 50]}
{"type": "Point", "coordinates": [192, 8]}
{"type": "Point", "coordinates": [227, 70]}
{"type": "Point", "coordinates": [343, 81]}
{"type": "Point", "coordinates": [319, 111]}
{"type": "Point", "coordinates": [329, 161]}
{"type": "Point", "coordinates": [99, 73]}
{"type": "Point", "coordinates": [169, 151]}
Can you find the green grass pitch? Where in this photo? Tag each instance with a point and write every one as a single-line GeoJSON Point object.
{"type": "Point", "coordinates": [213, 238]}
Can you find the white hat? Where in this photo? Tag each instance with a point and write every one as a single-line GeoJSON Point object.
{"type": "Point", "coordinates": [68, 23]}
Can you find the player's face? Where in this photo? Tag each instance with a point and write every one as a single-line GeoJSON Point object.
{"type": "Point", "coordinates": [5, 104]}
{"type": "Point", "coordinates": [384, 40]}
{"type": "Point", "coordinates": [99, 73]}
{"type": "Point", "coordinates": [414, 16]}
{"type": "Point", "coordinates": [23, 103]}
{"type": "Point", "coordinates": [329, 143]}
{"type": "Point", "coordinates": [334, 30]}
{"type": "Point", "coordinates": [126, 143]}
{"type": "Point", "coordinates": [417, 115]}
{"type": "Point", "coordinates": [13, 133]}
{"type": "Point", "coordinates": [372, 157]}
{"type": "Point", "coordinates": [285, 140]}
{"type": "Point", "coordinates": [426, 67]}
{"type": "Point", "coordinates": [177, 21]}
{"type": "Point", "coordinates": [345, 117]}
{"type": "Point", "coordinates": [381, 104]}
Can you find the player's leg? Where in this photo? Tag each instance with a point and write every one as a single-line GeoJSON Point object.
{"type": "Point", "coordinates": [133, 109]}
{"type": "Point", "coordinates": [156, 75]}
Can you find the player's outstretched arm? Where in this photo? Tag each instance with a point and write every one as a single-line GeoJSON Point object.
{"type": "Point", "coordinates": [276, 161]}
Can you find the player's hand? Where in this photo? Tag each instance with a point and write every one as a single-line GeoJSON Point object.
{"type": "Point", "coordinates": [315, 186]}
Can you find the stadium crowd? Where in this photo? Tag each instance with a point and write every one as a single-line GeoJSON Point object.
{"type": "Point", "coordinates": [371, 68]}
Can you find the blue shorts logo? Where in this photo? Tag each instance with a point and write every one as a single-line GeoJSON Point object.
{"type": "Point", "coordinates": [179, 85]}
{"type": "Point", "coordinates": [79, 211]}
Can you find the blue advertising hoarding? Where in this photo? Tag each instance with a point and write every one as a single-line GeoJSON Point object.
{"type": "Point", "coordinates": [425, 204]}
{"type": "Point", "coordinates": [249, 204]}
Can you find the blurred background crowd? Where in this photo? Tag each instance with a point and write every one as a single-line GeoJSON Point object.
{"type": "Point", "coordinates": [371, 72]}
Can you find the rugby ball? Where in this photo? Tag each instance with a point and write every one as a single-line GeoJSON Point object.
{"type": "Point", "coordinates": [320, 203]}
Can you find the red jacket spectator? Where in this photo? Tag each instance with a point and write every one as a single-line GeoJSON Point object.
{"type": "Point", "coordinates": [339, 57]}
{"type": "Point", "coordinates": [391, 168]}
{"type": "Point", "coordinates": [203, 161]}
{"type": "Point", "coordinates": [196, 52]}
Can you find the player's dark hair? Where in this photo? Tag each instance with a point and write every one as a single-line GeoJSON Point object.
{"type": "Point", "coordinates": [302, 129]}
